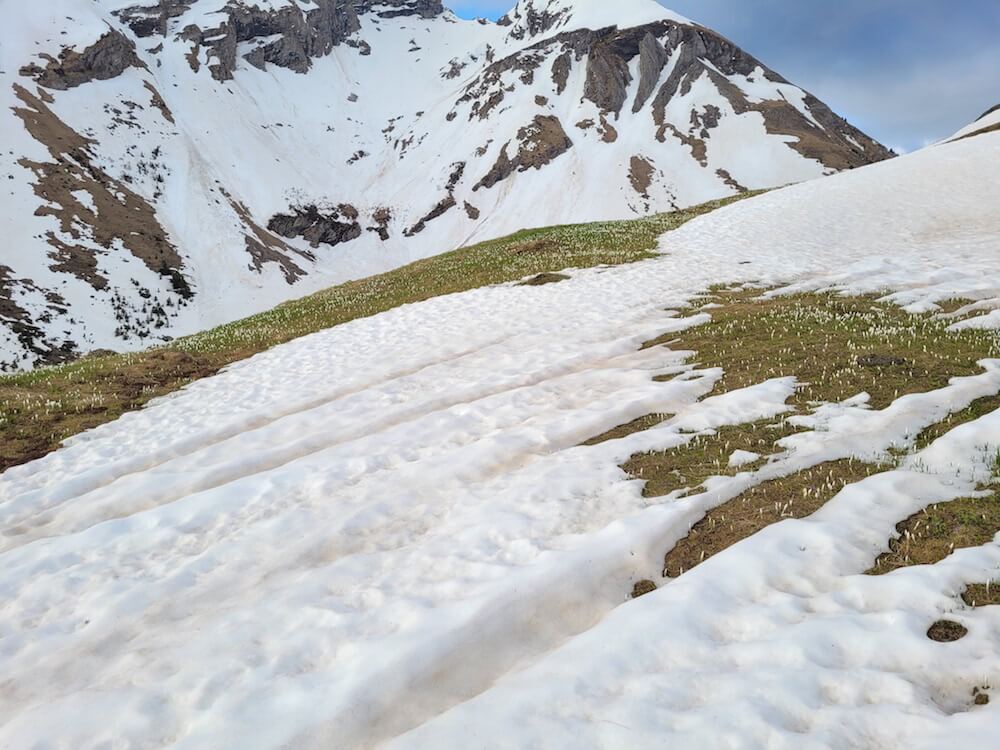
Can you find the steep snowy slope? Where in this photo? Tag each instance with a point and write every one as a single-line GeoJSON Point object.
{"type": "Point", "coordinates": [988, 123]}
{"type": "Point", "coordinates": [172, 165]}
{"type": "Point", "coordinates": [326, 546]}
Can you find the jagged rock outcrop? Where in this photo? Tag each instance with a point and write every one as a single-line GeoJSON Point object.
{"type": "Point", "coordinates": [329, 227]}
{"type": "Point", "coordinates": [530, 22]}
{"type": "Point", "coordinates": [151, 20]}
{"type": "Point", "coordinates": [538, 143]}
{"type": "Point", "coordinates": [106, 58]}
{"type": "Point", "coordinates": [401, 8]}
{"type": "Point", "coordinates": [653, 59]}
{"type": "Point", "coordinates": [302, 35]}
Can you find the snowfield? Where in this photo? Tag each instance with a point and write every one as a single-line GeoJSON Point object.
{"type": "Point", "coordinates": [389, 532]}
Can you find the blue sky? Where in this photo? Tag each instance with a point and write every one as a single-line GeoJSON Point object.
{"type": "Point", "coordinates": [907, 72]}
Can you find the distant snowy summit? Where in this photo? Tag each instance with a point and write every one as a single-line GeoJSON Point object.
{"type": "Point", "coordinates": [175, 165]}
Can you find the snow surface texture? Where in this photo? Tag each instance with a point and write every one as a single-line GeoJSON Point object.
{"type": "Point", "coordinates": [989, 120]}
{"type": "Point", "coordinates": [325, 546]}
{"type": "Point", "coordinates": [399, 123]}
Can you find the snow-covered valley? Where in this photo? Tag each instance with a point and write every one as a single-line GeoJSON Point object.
{"type": "Point", "coordinates": [392, 532]}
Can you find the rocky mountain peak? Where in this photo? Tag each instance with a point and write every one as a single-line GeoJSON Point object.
{"type": "Point", "coordinates": [531, 19]}
{"type": "Point", "coordinates": [230, 154]}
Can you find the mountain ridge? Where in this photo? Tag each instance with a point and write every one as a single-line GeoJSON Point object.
{"type": "Point", "coordinates": [177, 164]}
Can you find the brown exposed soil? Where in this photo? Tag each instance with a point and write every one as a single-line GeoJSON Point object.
{"type": "Point", "coordinates": [699, 149]}
{"type": "Point", "coordinates": [264, 247]}
{"type": "Point", "coordinates": [630, 428]}
{"type": "Point", "coordinates": [471, 211]}
{"type": "Point", "coordinates": [947, 631]}
{"type": "Point", "coordinates": [795, 496]}
{"type": "Point", "coordinates": [982, 594]}
{"type": "Point", "coordinates": [730, 180]}
{"type": "Point", "coordinates": [157, 101]}
{"type": "Point", "coordinates": [607, 130]}
{"type": "Point", "coordinates": [121, 215]}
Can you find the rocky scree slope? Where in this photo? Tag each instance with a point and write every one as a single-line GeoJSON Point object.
{"type": "Point", "coordinates": [173, 165]}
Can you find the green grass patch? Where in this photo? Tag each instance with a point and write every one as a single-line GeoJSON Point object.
{"type": "Point", "coordinates": [837, 347]}
{"type": "Point", "coordinates": [934, 533]}
{"type": "Point", "coordinates": [40, 409]}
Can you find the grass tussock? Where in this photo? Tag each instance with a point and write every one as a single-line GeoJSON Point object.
{"type": "Point", "coordinates": [40, 409]}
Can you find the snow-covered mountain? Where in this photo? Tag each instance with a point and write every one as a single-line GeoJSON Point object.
{"type": "Point", "coordinates": [173, 165]}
